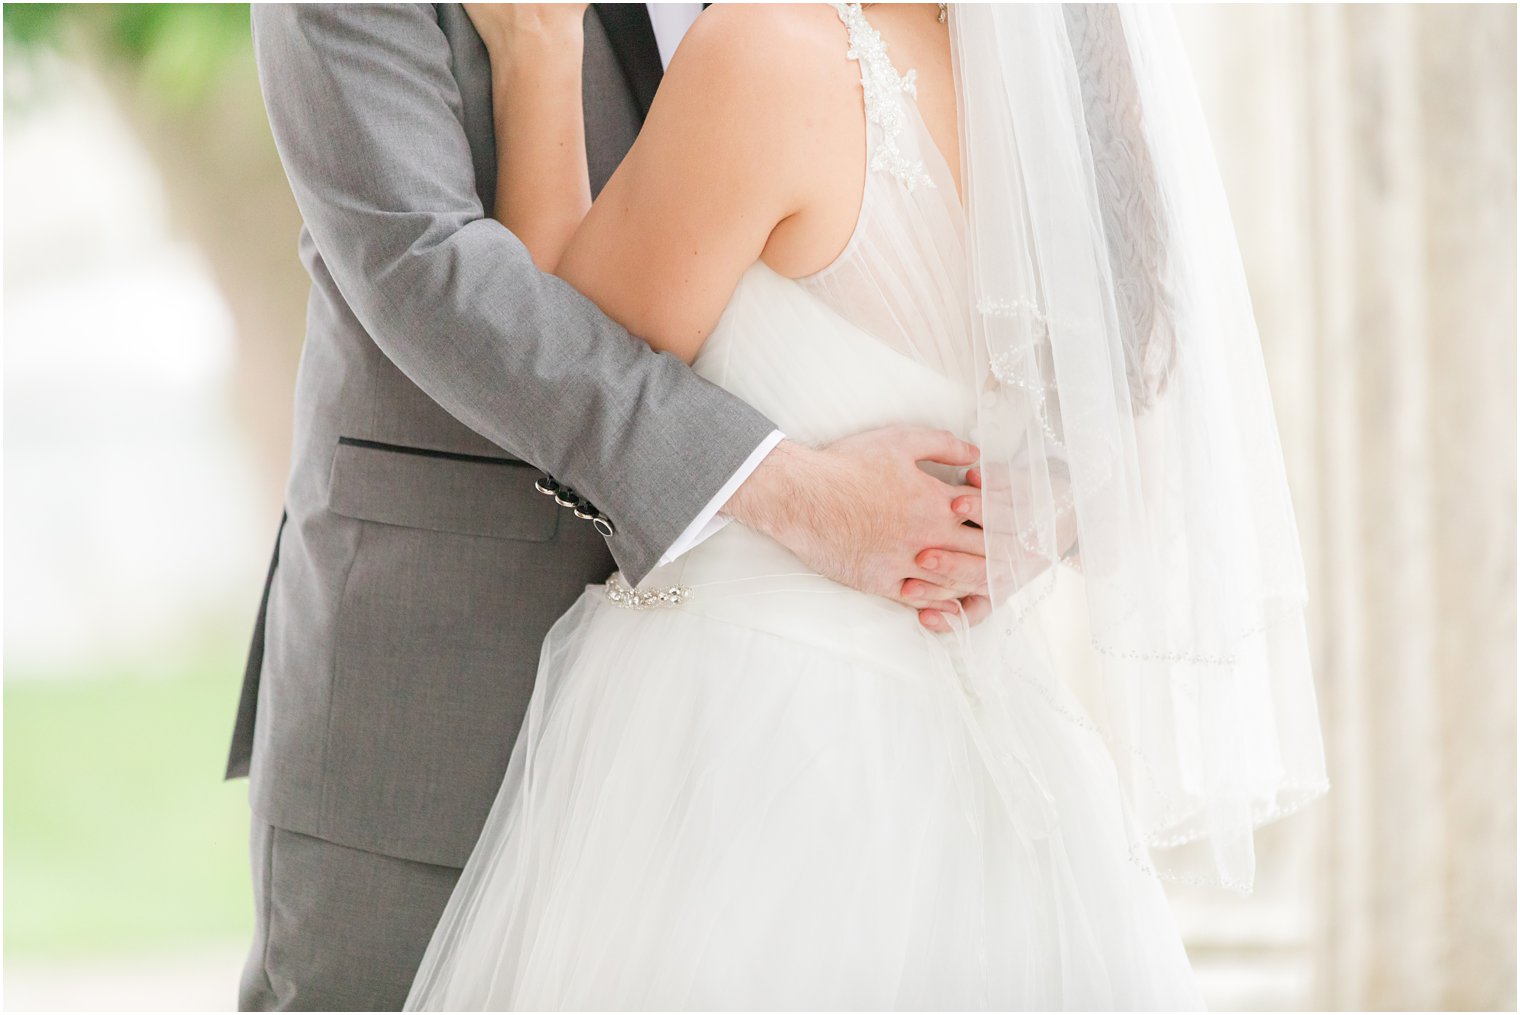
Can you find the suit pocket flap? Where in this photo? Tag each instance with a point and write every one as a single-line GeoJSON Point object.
{"type": "Point", "coordinates": [439, 491]}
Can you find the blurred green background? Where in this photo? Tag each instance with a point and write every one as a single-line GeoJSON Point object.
{"type": "Point", "coordinates": [103, 769]}
{"type": "Point", "coordinates": [154, 304]}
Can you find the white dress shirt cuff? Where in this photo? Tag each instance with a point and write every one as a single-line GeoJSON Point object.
{"type": "Point", "coordinates": [708, 520]}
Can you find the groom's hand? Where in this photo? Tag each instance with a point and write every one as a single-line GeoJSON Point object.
{"type": "Point", "coordinates": [861, 511]}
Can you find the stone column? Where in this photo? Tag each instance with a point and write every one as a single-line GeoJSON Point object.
{"type": "Point", "coordinates": [1369, 154]}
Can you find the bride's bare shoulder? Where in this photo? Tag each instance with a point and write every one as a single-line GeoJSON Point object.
{"type": "Point", "coordinates": [782, 45]}
{"type": "Point", "coordinates": [770, 72]}
{"type": "Point", "coordinates": [767, 95]}
{"type": "Point", "coordinates": [778, 24]}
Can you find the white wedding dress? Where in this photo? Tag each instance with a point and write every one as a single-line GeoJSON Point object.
{"type": "Point", "coordinates": [745, 786]}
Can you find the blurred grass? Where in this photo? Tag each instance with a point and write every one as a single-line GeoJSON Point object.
{"type": "Point", "coordinates": [119, 834]}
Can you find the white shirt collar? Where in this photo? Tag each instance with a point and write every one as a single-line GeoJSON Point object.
{"type": "Point", "coordinates": [670, 23]}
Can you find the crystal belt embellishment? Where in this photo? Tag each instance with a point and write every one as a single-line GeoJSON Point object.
{"type": "Point", "coordinates": [620, 593]}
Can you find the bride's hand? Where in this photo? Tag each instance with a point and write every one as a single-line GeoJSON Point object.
{"type": "Point", "coordinates": [974, 608]}
{"type": "Point", "coordinates": [1028, 562]}
{"type": "Point", "coordinates": [507, 28]}
{"type": "Point", "coordinates": [543, 190]}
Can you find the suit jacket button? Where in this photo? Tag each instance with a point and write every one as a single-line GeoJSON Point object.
{"type": "Point", "coordinates": [548, 485]}
{"type": "Point", "coordinates": [603, 525]}
{"type": "Point", "coordinates": [567, 498]}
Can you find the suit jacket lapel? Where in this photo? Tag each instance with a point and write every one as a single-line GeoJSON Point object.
{"type": "Point", "coordinates": [633, 43]}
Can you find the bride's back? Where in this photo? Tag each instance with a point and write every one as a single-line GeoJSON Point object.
{"type": "Point", "coordinates": [880, 240]}
{"type": "Point", "coordinates": [817, 42]}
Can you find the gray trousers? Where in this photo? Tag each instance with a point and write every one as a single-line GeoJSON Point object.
{"type": "Point", "coordinates": [336, 928]}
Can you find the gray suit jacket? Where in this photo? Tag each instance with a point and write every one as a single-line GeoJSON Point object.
{"type": "Point", "coordinates": [418, 570]}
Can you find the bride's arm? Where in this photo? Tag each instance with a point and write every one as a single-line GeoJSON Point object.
{"type": "Point", "coordinates": [730, 166]}
{"type": "Point", "coordinates": [543, 190]}
{"type": "Point", "coordinates": [733, 161]}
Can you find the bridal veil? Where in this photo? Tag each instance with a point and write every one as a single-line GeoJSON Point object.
{"type": "Point", "coordinates": [1125, 421]}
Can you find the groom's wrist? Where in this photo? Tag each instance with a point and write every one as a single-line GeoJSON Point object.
{"type": "Point", "coordinates": [768, 500]}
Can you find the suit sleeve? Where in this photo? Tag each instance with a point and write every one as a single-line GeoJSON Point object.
{"type": "Point", "coordinates": [366, 116]}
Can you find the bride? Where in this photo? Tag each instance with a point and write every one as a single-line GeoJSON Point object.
{"type": "Point", "coordinates": [743, 785]}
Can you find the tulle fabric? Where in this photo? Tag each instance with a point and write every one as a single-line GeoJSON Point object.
{"type": "Point", "coordinates": [790, 799]}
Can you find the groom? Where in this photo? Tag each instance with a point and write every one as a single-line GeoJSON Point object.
{"type": "Point", "coordinates": [422, 558]}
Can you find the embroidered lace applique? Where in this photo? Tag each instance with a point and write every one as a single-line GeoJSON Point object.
{"type": "Point", "coordinates": [883, 86]}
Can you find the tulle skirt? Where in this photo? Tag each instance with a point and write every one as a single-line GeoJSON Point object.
{"type": "Point", "coordinates": [796, 802]}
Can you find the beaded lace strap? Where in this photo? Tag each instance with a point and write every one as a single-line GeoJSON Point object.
{"type": "Point", "coordinates": [883, 88]}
